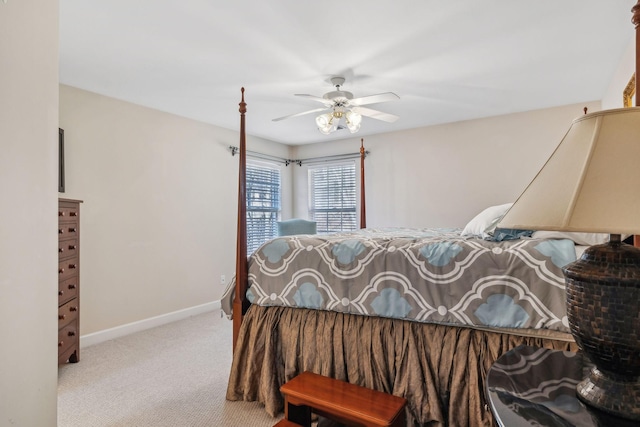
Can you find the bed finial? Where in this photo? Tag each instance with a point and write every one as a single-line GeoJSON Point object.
{"type": "Point", "coordinates": [243, 105]}
{"type": "Point", "coordinates": [635, 19]}
{"type": "Point", "coordinates": [363, 205]}
{"type": "Point", "coordinates": [585, 110]}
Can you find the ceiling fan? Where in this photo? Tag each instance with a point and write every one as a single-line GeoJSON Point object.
{"type": "Point", "coordinates": [339, 104]}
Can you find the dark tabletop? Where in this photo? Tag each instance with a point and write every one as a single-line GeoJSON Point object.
{"type": "Point", "coordinates": [534, 386]}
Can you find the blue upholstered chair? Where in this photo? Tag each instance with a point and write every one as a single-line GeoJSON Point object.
{"type": "Point", "coordinates": [296, 226]}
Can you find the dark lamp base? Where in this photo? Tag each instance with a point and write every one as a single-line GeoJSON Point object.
{"type": "Point", "coordinates": [603, 308]}
{"type": "Point", "coordinates": [621, 398]}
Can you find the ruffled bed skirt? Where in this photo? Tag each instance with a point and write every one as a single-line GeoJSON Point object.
{"type": "Point", "coordinates": [440, 370]}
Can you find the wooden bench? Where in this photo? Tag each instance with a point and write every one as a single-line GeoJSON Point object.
{"type": "Point", "coordinates": [340, 401]}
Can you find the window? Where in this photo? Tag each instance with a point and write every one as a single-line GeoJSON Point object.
{"type": "Point", "coordinates": [332, 197]}
{"type": "Point", "coordinates": [263, 203]}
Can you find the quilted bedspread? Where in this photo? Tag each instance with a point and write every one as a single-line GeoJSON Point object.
{"type": "Point", "coordinates": [425, 275]}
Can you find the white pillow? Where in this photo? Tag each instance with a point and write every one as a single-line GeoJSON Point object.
{"type": "Point", "coordinates": [484, 224]}
{"type": "Point", "coordinates": [579, 238]}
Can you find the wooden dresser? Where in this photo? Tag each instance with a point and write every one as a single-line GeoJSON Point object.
{"type": "Point", "coordinates": [68, 280]}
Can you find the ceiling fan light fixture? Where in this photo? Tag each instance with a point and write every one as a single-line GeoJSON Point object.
{"type": "Point", "coordinates": [353, 121]}
{"type": "Point", "coordinates": [325, 123]}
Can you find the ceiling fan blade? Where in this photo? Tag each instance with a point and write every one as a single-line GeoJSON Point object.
{"type": "Point", "coordinates": [327, 102]}
{"type": "Point", "coordinates": [317, 110]}
{"type": "Point", "coordinates": [375, 114]}
{"type": "Point", "coordinates": [373, 99]}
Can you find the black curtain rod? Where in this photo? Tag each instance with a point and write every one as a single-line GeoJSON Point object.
{"type": "Point", "coordinates": [234, 150]}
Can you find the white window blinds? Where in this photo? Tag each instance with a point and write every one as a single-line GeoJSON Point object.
{"type": "Point", "coordinates": [263, 203]}
{"type": "Point", "coordinates": [332, 197]}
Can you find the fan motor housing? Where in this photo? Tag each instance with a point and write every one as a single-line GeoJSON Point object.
{"type": "Point", "coordinates": [338, 95]}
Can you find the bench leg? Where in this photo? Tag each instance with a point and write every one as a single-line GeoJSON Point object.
{"type": "Point", "coordinates": [400, 420]}
{"type": "Point", "coordinates": [297, 414]}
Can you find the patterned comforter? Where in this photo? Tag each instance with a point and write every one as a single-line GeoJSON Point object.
{"type": "Point", "coordinates": [425, 275]}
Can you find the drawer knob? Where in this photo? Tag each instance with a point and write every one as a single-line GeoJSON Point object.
{"type": "Point", "coordinates": [72, 333]}
{"type": "Point", "coordinates": [61, 271]}
{"type": "Point", "coordinates": [62, 316]}
{"type": "Point", "coordinates": [72, 247]}
{"type": "Point", "coordinates": [72, 286]}
{"type": "Point", "coordinates": [60, 250]}
{"type": "Point", "coordinates": [72, 229]}
{"type": "Point", "coordinates": [60, 293]}
{"type": "Point", "coordinates": [72, 266]}
{"type": "Point", "coordinates": [60, 231]}
{"type": "Point", "coordinates": [60, 213]}
{"type": "Point", "coordinates": [73, 308]}
{"type": "Point", "coordinates": [61, 343]}
{"type": "Point", "coordinates": [73, 213]}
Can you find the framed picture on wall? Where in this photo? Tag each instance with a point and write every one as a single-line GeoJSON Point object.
{"type": "Point", "coordinates": [60, 160]}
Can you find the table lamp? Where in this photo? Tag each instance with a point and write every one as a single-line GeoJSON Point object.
{"type": "Point", "coordinates": [591, 183]}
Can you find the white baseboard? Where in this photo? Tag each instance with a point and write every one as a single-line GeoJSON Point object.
{"type": "Point", "coordinates": [141, 325]}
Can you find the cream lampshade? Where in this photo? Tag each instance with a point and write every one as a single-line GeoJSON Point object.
{"type": "Point", "coordinates": [591, 183]}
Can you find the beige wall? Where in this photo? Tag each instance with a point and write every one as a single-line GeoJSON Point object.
{"type": "Point", "coordinates": [28, 224]}
{"type": "Point", "coordinates": [158, 222]}
{"type": "Point", "coordinates": [441, 176]}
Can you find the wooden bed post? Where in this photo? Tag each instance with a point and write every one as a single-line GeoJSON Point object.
{"type": "Point", "coordinates": [635, 19]}
{"type": "Point", "coordinates": [240, 303]}
{"type": "Point", "coordinates": [363, 205]}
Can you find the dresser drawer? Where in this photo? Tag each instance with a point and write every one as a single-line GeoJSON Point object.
{"type": "Point", "coordinates": [67, 248]}
{"type": "Point", "coordinates": [67, 312]}
{"type": "Point", "coordinates": [68, 211]}
{"type": "Point", "coordinates": [67, 289]}
{"type": "Point", "coordinates": [67, 337]}
{"type": "Point", "coordinates": [68, 230]}
{"type": "Point", "coordinates": [67, 268]}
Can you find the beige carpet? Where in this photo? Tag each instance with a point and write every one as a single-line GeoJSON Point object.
{"type": "Point", "coordinates": [172, 375]}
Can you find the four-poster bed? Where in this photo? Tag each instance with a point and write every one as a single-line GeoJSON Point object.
{"type": "Point", "coordinates": [439, 367]}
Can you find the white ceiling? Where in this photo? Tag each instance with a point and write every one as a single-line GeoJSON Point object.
{"type": "Point", "coordinates": [447, 60]}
